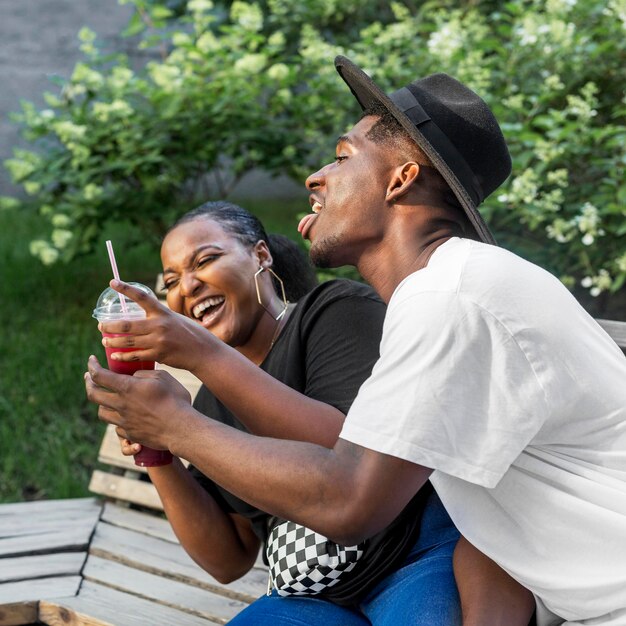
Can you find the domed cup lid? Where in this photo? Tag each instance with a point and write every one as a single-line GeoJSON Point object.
{"type": "Point", "coordinates": [109, 306]}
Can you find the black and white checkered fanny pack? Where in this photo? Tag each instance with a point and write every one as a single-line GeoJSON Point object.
{"type": "Point", "coordinates": [303, 562]}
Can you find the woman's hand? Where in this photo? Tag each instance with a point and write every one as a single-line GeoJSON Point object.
{"type": "Point", "coordinates": [144, 405]}
{"type": "Point", "coordinates": [163, 336]}
{"type": "Point", "coordinates": [127, 447]}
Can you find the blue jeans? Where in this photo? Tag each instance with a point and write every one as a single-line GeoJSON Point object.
{"type": "Point", "coordinates": [422, 592]}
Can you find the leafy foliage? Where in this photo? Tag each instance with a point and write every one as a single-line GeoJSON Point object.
{"type": "Point", "coordinates": [238, 85]}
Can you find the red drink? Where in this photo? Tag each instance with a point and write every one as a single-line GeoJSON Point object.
{"type": "Point", "coordinates": [109, 308]}
{"type": "Point", "coordinates": [124, 367]}
{"type": "Point", "coordinates": [146, 457]}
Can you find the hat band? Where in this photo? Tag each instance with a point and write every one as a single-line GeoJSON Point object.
{"type": "Point", "coordinates": [408, 104]}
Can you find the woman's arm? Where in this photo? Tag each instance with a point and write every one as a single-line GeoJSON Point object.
{"type": "Point", "coordinates": [223, 544]}
{"type": "Point", "coordinates": [341, 350]}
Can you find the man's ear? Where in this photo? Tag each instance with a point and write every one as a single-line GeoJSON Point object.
{"type": "Point", "coordinates": [402, 177]}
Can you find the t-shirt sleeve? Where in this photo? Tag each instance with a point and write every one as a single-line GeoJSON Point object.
{"type": "Point", "coordinates": [341, 349]}
{"type": "Point", "coordinates": [452, 391]}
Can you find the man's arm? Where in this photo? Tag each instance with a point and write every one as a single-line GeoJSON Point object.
{"type": "Point", "coordinates": [347, 493]}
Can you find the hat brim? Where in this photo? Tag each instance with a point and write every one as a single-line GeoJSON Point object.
{"type": "Point", "coordinates": [367, 93]}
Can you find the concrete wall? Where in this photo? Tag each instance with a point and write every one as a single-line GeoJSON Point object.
{"type": "Point", "coordinates": [38, 39]}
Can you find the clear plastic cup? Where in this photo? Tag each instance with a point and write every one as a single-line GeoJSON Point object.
{"type": "Point", "coordinates": [109, 308]}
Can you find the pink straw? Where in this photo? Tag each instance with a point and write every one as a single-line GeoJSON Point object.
{"type": "Point", "coordinates": [116, 274]}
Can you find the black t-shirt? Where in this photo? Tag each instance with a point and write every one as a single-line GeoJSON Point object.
{"type": "Point", "coordinates": [326, 351]}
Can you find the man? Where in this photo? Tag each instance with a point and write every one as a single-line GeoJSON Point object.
{"type": "Point", "coordinates": [492, 381]}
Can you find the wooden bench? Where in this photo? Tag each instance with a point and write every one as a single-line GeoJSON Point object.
{"type": "Point", "coordinates": [112, 561]}
{"type": "Point", "coordinates": [100, 562]}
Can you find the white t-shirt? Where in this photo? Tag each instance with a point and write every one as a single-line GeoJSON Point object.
{"type": "Point", "coordinates": [493, 375]}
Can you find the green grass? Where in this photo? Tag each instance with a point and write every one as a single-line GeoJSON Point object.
{"type": "Point", "coordinates": [49, 433]}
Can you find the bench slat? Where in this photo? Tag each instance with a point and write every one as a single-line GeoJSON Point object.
{"type": "Point", "coordinates": [174, 594]}
{"type": "Point", "coordinates": [51, 509]}
{"type": "Point", "coordinates": [101, 606]}
{"type": "Point", "coordinates": [146, 523]}
{"type": "Point", "coordinates": [617, 331]}
{"type": "Point", "coordinates": [42, 566]}
{"type": "Point", "coordinates": [110, 453]}
{"type": "Point", "coordinates": [169, 560]}
{"type": "Point", "coordinates": [128, 489]}
{"type": "Point", "coordinates": [46, 516]}
{"type": "Point", "coordinates": [53, 587]}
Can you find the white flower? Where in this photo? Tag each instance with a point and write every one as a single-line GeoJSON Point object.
{"type": "Point", "coordinates": [588, 239]}
{"type": "Point", "coordinates": [249, 16]}
{"type": "Point", "coordinates": [560, 230]}
{"type": "Point", "coordinates": [61, 237]}
{"type": "Point", "coordinates": [32, 188]}
{"type": "Point", "coordinates": [553, 83]}
{"type": "Point", "coordinates": [276, 40]}
{"type": "Point", "coordinates": [42, 249]}
{"type": "Point", "coordinates": [589, 219]}
{"type": "Point", "coordinates": [8, 203]}
{"type": "Point", "coordinates": [60, 220]}
{"type": "Point", "coordinates": [181, 39]}
{"type": "Point", "coordinates": [207, 42]}
{"type": "Point", "coordinates": [558, 177]}
{"type": "Point", "coordinates": [283, 95]}
{"type": "Point", "coordinates": [251, 63]}
{"type": "Point", "coordinates": [446, 41]}
{"type": "Point", "coordinates": [524, 187]}
{"type": "Point", "coordinates": [199, 6]}
{"type": "Point", "coordinates": [617, 8]}
{"type": "Point", "coordinates": [599, 283]}
{"type": "Point", "coordinates": [68, 131]}
{"type": "Point", "coordinates": [87, 76]}
{"type": "Point", "coordinates": [168, 77]}
{"type": "Point", "coordinates": [558, 7]}
{"type": "Point", "coordinates": [278, 72]}
{"type": "Point", "coordinates": [120, 77]}
{"type": "Point", "coordinates": [92, 191]}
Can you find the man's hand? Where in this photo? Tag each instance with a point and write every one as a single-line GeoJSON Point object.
{"type": "Point", "coordinates": [144, 405]}
{"type": "Point", "coordinates": [164, 336]}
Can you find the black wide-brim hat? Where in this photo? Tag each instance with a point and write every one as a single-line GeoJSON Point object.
{"type": "Point", "coordinates": [453, 127]}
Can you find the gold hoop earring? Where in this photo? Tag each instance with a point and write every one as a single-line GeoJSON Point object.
{"type": "Point", "coordinates": [282, 288]}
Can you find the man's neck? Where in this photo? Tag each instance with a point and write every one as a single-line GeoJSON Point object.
{"type": "Point", "coordinates": [406, 248]}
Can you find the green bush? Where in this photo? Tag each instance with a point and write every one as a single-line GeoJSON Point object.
{"type": "Point", "coordinates": [235, 86]}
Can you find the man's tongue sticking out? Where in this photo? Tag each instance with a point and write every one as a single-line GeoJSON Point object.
{"type": "Point", "coordinates": [305, 224]}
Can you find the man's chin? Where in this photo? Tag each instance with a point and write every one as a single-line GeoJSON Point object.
{"type": "Point", "coordinates": [323, 253]}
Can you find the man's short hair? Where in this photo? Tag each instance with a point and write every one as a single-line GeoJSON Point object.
{"type": "Point", "coordinates": [388, 131]}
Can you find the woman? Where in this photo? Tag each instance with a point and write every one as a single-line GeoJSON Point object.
{"type": "Point", "coordinates": [305, 364]}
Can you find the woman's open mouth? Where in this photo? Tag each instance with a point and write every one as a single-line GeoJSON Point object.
{"type": "Point", "coordinates": [206, 311]}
